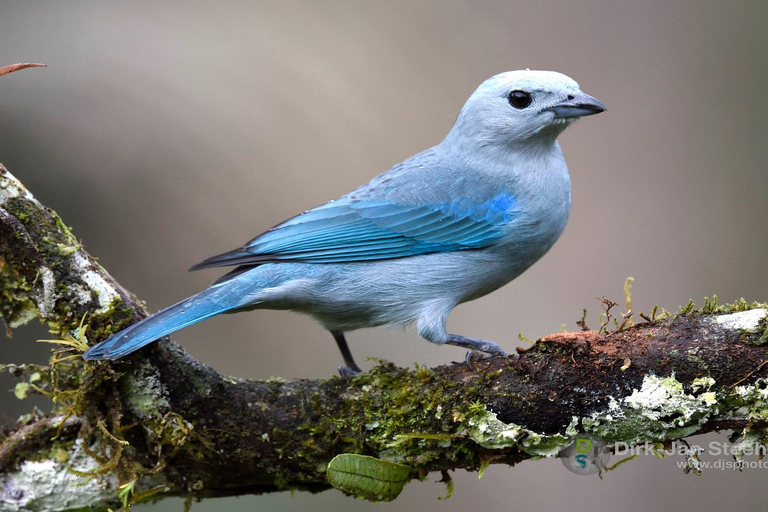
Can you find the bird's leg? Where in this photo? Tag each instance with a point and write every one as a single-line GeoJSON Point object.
{"type": "Point", "coordinates": [475, 346]}
{"type": "Point", "coordinates": [351, 369]}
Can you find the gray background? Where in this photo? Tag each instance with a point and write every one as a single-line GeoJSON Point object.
{"type": "Point", "coordinates": [165, 132]}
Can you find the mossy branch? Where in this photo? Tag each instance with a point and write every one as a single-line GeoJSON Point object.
{"type": "Point", "coordinates": [164, 424]}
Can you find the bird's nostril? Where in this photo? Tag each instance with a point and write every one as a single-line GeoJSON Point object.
{"type": "Point", "coordinates": [570, 96]}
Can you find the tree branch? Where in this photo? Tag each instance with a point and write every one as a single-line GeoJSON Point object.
{"type": "Point", "coordinates": [165, 424]}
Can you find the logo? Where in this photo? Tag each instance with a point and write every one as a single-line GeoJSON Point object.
{"type": "Point", "coordinates": [587, 455]}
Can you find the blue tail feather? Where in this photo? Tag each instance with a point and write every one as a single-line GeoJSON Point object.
{"type": "Point", "coordinates": [182, 314]}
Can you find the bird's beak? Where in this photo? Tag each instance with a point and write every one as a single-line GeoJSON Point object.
{"type": "Point", "coordinates": [577, 105]}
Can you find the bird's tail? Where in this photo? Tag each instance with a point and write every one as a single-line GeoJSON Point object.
{"type": "Point", "coordinates": [190, 311]}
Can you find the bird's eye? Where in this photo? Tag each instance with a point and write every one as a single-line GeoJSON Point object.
{"type": "Point", "coordinates": [520, 99]}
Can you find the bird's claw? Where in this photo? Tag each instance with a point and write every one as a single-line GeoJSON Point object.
{"type": "Point", "coordinates": [478, 349]}
{"type": "Point", "coordinates": [347, 373]}
{"type": "Point", "coordinates": [474, 356]}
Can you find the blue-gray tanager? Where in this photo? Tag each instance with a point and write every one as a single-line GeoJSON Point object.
{"type": "Point", "coordinates": [445, 226]}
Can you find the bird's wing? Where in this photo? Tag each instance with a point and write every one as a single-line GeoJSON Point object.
{"type": "Point", "coordinates": [350, 230]}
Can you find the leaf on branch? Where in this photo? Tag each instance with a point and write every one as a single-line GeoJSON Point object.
{"type": "Point", "coordinates": [21, 390]}
{"type": "Point", "coordinates": [367, 477]}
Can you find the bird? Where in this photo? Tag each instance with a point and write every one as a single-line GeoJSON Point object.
{"type": "Point", "coordinates": [445, 226]}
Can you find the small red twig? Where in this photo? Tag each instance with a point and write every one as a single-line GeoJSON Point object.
{"type": "Point", "coordinates": [16, 67]}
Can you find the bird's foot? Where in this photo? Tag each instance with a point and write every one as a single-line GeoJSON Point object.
{"type": "Point", "coordinates": [474, 356]}
{"type": "Point", "coordinates": [351, 369]}
{"type": "Point", "coordinates": [478, 349]}
{"type": "Point", "coordinates": [348, 372]}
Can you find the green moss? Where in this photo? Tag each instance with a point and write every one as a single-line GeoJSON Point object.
{"type": "Point", "coordinates": [712, 307]}
{"type": "Point", "coordinates": [394, 404]}
{"type": "Point", "coordinates": [61, 450]}
{"type": "Point", "coordinates": [41, 280]}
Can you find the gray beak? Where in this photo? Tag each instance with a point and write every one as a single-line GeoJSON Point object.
{"type": "Point", "coordinates": [578, 104]}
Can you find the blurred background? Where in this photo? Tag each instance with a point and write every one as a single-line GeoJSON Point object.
{"type": "Point", "coordinates": [166, 132]}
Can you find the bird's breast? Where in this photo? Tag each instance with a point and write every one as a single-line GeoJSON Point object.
{"type": "Point", "coordinates": [539, 215]}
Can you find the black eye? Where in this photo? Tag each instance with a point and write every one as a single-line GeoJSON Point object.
{"type": "Point", "coordinates": [520, 99]}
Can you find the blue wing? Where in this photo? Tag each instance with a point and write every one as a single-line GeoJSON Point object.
{"type": "Point", "coordinates": [341, 231]}
{"type": "Point", "coordinates": [349, 230]}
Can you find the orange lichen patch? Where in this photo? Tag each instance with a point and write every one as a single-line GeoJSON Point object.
{"type": "Point", "coordinates": [573, 338]}
{"type": "Point", "coordinates": [617, 344]}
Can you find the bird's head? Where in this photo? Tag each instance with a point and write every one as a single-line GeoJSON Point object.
{"type": "Point", "coordinates": [522, 109]}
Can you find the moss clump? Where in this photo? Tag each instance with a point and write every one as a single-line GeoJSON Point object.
{"type": "Point", "coordinates": [45, 273]}
{"type": "Point", "coordinates": [713, 307]}
{"type": "Point", "coordinates": [392, 407]}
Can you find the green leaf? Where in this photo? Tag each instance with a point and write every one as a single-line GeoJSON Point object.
{"type": "Point", "coordinates": [21, 390]}
{"type": "Point", "coordinates": [367, 477]}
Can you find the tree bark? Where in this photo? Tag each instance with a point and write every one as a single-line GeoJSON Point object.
{"type": "Point", "coordinates": [161, 422]}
